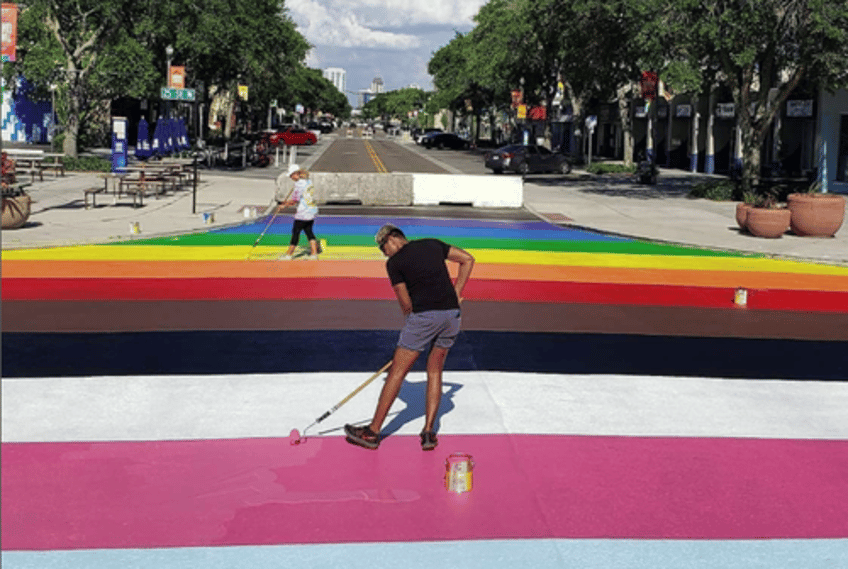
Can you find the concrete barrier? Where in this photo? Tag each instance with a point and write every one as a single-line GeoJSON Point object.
{"type": "Point", "coordinates": [401, 189]}
{"type": "Point", "coordinates": [368, 189]}
{"type": "Point", "coordinates": [479, 191]}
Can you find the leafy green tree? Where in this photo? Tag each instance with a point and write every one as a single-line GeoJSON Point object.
{"type": "Point", "coordinates": [594, 47]}
{"type": "Point", "coordinates": [311, 89]}
{"type": "Point", "coordinates": [97, 50]}
{"type": "Point", "coordinates": [395, 104]}
{"type": "Point", "coordinates": [224, 44]}
{"type": "Point", "coordinates": [495, 61]}
{"type": "Point", "coordinates": [763, 50]}
{"type": "Point", "coordinates": [84, 48]}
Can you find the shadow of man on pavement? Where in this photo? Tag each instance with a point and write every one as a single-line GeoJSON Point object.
{"type": "Point", "coordinates": [414, 394]}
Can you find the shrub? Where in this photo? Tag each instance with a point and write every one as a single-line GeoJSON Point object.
{"type": "Point", "coordinates": [87, 164]}
{"type": "Point", "coordinates": [717, 190]}
{"type": "Point", "coordinates": [609, 168]}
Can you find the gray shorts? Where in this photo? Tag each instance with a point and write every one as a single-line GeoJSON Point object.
{"type": "Point", "coordinates": [430, 328]}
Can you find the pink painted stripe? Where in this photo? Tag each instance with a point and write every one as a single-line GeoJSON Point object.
{"type": "Point", "coordinates": [265, 491]}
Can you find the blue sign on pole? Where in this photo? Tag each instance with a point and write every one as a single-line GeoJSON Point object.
{"type": "Point", "coordinates": [119, 144]}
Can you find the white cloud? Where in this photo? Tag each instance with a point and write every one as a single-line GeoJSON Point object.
{"type": "Point", "coordinates": [398, 13]}
{"type": "Point", "coordinates": [329, 25]}
{"type": "Point", "coordinates": [393, 39]}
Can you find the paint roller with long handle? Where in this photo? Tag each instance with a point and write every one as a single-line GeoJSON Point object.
{"type": "Point", "coordinates": [302, 438]}
{"type": "Point", "coordinates": [270, 221]}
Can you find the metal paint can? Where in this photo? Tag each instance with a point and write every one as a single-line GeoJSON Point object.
{"type": "Point", "coordinates": [459, 473]}
{"type": "Point", "coordinates": [135, 228]}
{"type": "Point", "coordinates": [740, 297]}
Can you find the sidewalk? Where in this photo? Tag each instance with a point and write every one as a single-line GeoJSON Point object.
{"type": "Point", "coordinates": [612, 204]}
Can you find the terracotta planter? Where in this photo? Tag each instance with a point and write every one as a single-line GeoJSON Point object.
{"type": "Point", "coordinates": [768, 222]}
{"type": "Point", "coordinates": [742, 210]}
{"type": "Point", "coordinates": [15, 211]}
{"type": "Point", "coordinates": [816, 215]}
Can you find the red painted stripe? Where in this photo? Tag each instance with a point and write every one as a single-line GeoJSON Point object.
{"type": "Point", "coordinates": [379, 289]}
{"type": "Point", "coordinates": [266, 491]}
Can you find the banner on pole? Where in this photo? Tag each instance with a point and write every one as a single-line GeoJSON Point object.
{"type": "Point", "coordinates": [10, 31]}
{"type": "Point", "coordinates": [648, 85]}
{"type": "Point", "coordinates": [176, 77]}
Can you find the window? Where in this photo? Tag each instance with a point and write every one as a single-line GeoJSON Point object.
{"type": "Point", "coordinates": [842, 157]}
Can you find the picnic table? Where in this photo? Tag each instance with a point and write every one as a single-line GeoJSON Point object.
{"type": "Point", "coordinates": [139, 181]}
{"type": "Point", "coordinates": [34, 162]}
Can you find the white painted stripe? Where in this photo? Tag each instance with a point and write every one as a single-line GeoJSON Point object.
{"type": "Point", "coordinates": [235, 406]}
{"type": "Point", "coordinates": [539, 554]}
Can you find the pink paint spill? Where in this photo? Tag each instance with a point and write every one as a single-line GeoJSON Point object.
{"type": "Point", "coordinates": [266, 491]}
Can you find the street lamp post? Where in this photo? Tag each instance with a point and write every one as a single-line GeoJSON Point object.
{"type": "Point", "coordinates": [169, 52]}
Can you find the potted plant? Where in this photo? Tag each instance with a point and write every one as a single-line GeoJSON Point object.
{"type": "Point", "coordinates": [749, 200]}
{"type": "Point", "coordinates": [816, 214]}
{"type": "Point", "coordinates": [768, 218]}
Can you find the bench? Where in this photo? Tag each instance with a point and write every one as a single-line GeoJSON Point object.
{"type": "Point", "coordinates": [137, 195]}
{"type": "Point", "coordinates": [32, 171]}
{"type": "Point", "coordinates": [92, 192]}
{"type": "Point", "coordinates": [138, 188]}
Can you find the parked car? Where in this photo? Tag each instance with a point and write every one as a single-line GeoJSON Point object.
{"type": "Point", "coordinates": [444, 140]}
{"type": "Point", "coordinates": [324, 127]}
{"type": "Point", "coordinates": [293, 136]}
{"type": "Point", "coordinates": [526, 160]}
{"type": "Point", "coordinates": [420, 133]}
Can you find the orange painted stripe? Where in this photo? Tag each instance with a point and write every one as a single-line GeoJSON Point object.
{"type": "Point", "coordinates": [376, 269]}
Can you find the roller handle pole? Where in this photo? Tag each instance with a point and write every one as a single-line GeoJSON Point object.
{"type": "Point", "coordinates": [354, 392]}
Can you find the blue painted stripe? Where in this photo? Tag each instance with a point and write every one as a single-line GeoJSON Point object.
{"type": "Point", "coordinates": [236, 352]}
{"type": "Point", "coordinates": [282, 225]}
{"type": "Point", "coordinates": [412, 222]}
{"type": "Point", "coordinates": [494, 554]}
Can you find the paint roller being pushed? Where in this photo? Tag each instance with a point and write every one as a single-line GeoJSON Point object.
{"type": "Point", "coordinates": [298, 438]}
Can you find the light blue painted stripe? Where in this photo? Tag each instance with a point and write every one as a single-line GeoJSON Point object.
{"type": "Point", "coordinates": [284, 227]}
{"type": "Point", "coordinates": [539, 554]}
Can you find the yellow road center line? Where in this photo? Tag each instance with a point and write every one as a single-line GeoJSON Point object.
{"type": "Point", "coordinates": [381, 168]}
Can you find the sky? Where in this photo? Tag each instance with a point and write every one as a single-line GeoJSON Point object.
{"type": "Point", "coordinates": [391, 39]}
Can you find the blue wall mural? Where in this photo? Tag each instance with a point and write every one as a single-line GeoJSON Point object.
{"type": "Point", "coordinates": [25, 119]}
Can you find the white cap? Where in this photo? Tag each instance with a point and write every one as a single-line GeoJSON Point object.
{"type": "Point", "coordinates": [293, 168]}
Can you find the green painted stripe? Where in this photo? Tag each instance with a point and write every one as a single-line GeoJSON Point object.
{"type": "Point", "coordinates": [629, 247]}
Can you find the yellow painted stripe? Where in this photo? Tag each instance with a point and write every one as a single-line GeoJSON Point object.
{"type": "Point", "coordinates": [241, 252]}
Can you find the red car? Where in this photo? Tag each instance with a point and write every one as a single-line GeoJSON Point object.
{"type": "Point", "coordinates": [293, 136]}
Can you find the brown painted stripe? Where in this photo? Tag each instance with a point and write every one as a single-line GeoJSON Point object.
{"type": "Point", "coordinates": [139, 316]}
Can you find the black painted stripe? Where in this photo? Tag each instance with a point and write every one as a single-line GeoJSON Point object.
{"type": "Point", "coordinates": [237, 352]}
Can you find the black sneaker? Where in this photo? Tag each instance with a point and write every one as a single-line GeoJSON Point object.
{"type": "Point", "coordinates": [362, 436]}
{"type": "Point", "coordinates": [428, 440]}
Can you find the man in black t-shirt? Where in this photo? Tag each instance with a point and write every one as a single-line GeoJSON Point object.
{"type": "Point", "coordinates": [430, 302]}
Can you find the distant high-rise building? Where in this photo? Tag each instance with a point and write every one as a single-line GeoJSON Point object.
{"type": "Point", "coordinates": [377, 85]}
{"type": "Point", "coordinates": [337, 76]}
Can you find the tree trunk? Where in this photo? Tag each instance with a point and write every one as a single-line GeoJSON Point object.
{"type": "Point", "coordinates": [625, 119]}
{"type": "Point", "coordinates": [70, 145]}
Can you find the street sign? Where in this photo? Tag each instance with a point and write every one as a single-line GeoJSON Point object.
{"type": "Point", "coordinates": [171, 94]}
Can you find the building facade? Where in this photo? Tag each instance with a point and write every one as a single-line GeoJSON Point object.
{"type": "Point", "coordinates": [338, 77]}
{"type": "Point", "coordinates": [809, 137]}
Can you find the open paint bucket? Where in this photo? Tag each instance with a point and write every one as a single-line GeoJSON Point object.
{"type": "Point", "coordinates": [459, 473]}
